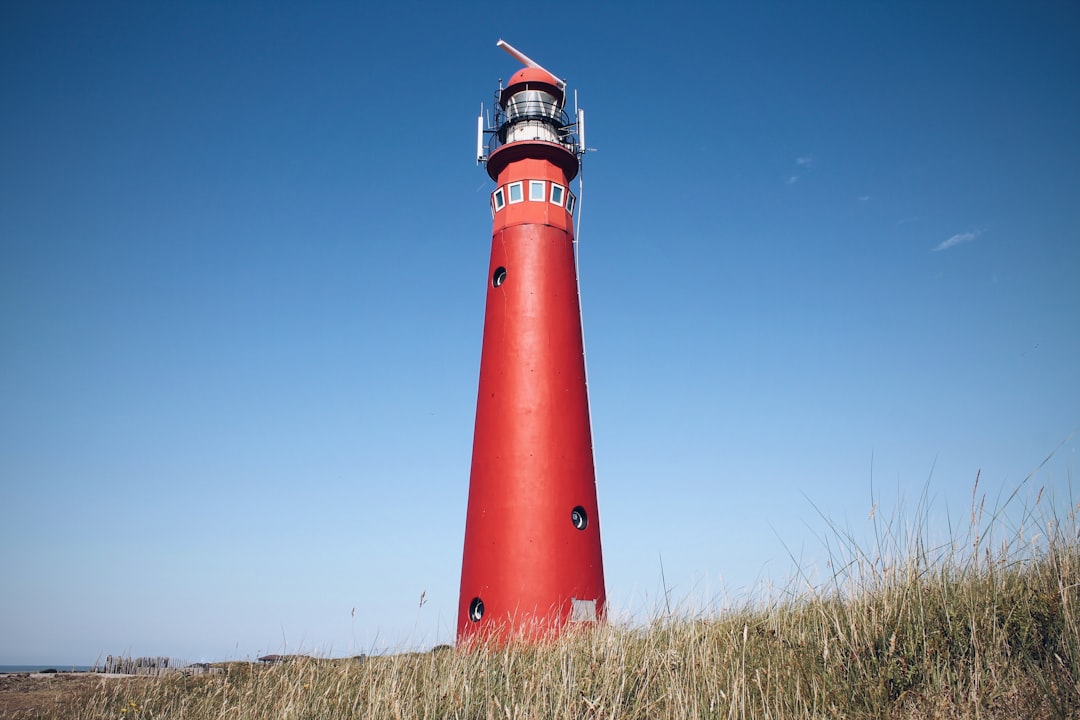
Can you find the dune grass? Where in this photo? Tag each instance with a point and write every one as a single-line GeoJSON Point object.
{"type": "Point", "coordinates": [985, 626]}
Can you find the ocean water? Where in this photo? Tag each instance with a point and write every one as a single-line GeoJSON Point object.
{"type": "Point", "coordinates": [39, 668]}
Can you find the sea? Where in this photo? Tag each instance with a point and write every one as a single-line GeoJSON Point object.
{"type": "Point", "coordinates": [39, 668]}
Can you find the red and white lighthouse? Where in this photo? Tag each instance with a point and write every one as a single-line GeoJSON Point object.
{"type": "Point", "coordinates": [532, 562]}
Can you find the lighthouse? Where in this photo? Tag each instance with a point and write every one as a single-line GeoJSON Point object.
{"type": "Point", "coordinates": [532, 563]}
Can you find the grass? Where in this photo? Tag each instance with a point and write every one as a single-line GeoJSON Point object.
{"type": "Point", "coordinates": [985, 626]}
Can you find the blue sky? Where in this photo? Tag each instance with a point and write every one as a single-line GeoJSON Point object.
{"type": "Point", "coordinates": [829, 257]}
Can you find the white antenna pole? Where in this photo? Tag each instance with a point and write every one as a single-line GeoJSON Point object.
{"type": "Point", "coordinates": [517, 54]}
{"type": "Point", "coordinates": [528, 61]}
{"type": "Point", "coordinates": [581, 130]}
{"type": "Point", "coordinates": [480, 136]}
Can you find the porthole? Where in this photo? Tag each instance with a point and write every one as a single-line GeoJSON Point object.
{"type": "Point", "coordinates": [498, 277]}
{"type": "Point", "coordinates": [476, 609]}
{"type": "Point", "coordinates": [579, 517]}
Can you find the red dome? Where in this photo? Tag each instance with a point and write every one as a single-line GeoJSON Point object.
{"type": "Point", "coordinates": [534, 75]}
{"type": "Point", "coordinates": [535, 78]}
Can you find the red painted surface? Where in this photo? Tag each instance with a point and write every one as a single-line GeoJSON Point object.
{"type": "Point", "coordinates": [532, 462]}
{"type": "Point", "coordinates": [531, 75]}
{"type": "Point", "coordinates": [533, 78]}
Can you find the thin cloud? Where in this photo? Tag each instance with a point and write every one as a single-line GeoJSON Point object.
{"type": "Point", "coordinates": [957, 239]}
{"type": "Point", "coordinates": [805, 163]}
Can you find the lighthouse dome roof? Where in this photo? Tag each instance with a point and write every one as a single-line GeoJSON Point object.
{"type": "Point", "coordinates": [533, 75]}
{"type": "Point", "coordinates": [536, 79]}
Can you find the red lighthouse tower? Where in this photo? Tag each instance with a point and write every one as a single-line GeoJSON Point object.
{"type": "Point", "coordinates": [532, 561]}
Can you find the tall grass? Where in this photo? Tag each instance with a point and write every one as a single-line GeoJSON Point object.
{"type": "Point", "coordinates": [983, 626]}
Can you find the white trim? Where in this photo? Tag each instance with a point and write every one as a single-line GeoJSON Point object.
{"type": "Point", "coordinates": [562, 195]}
{"type": "Point", "coordinates": [510, 192]}
{"type": "Point", "coordinates": [498, 199]}
{"type": "Point", "coordinates": [571, 202]}
{"type": "Point", "coordinates": [534, 186]}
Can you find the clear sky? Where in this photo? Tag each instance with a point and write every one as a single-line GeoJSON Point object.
{"type": "Point", "coordinates": [829, 257]}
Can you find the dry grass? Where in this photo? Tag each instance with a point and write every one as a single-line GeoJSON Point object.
{"type": "Point", "coordinates": [898, 631]}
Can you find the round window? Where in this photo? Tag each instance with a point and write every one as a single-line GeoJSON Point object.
{"type": "Point", "coordinates": [476, 609]}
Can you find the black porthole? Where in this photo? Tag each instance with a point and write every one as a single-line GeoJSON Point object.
{"type": "Point", "coordinates": [476, 609]}
{"type": "Point", "coordinates": [498, 277]}
{"type": "Point", "coordinates": [579, 517]}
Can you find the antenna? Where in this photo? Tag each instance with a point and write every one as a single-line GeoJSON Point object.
{"type": "Point", "coordinates": [528, 61]}
{"type": "Point", "coordinates": [480, 136]}
{"type": "Point", "coordinates": [581, 130]}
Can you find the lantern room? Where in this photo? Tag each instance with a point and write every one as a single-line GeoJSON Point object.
{"type": "Point", "coordinates": [530, 121]}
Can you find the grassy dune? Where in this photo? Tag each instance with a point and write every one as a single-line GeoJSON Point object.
{"type": "Point", "coordinates": [983, 627]}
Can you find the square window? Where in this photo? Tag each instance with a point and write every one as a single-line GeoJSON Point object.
{"type": "Point", "coordinates": [582, 610]}
{"type": "Point", "coordinates": [536, 190]}
{"type": "Point", "coordinates": [558, 194]}
{"type": "Point", "coordinates": [500, 199]}
{"type": "Point", "coordinates": [570, 201]}
{"type": "Point", "coordinates": [515, 192]}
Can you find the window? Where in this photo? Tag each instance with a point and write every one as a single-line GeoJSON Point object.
{"type": "Point", "coordinates": [500, 199]}
{"type": "Point", "coordinates": [514, 190]}
{"type": "Point", "coordinates": [558, 194]}
{"type": "Point", "coordinates": [580, 610]}
{"type": "Point", "coordinates": [536, 190]}
{"type": "Point", "coordinates": [476, 609]}
{"type": "Point", "coordinates": [570, 201]}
